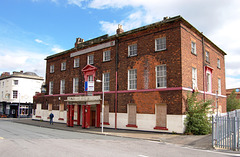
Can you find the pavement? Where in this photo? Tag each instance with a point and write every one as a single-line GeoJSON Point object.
{"type": "Point", "coordinates": [193, 141]}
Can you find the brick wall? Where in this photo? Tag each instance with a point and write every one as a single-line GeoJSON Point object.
{"type": "Point", "coordinates": [177, 57]}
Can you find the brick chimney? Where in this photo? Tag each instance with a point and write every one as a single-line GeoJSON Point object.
{"type": "Point", "coordinates": [165, 18]}
{"type": "Point", "coordinates": [119, 30]}
{"type": "Point", "coordinates": [4, 74]}
{"type": "Point", "coordinates": [78, 41]}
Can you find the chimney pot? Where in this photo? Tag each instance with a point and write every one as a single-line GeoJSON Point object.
{"type": "Point", "coordinates": [78, 41]}
{"type": "Point", "coordinates": [165, 18]}
{"type": "Point", "coordinates": [119, 30]}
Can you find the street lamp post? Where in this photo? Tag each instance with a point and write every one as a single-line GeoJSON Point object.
{"type": "Point", "coordinates": [102, 98]}
{"type": "Point", "coordinates": [19, 107]}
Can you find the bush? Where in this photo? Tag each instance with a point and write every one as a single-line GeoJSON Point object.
{"type": "Point", "coordinates": [197, 122]}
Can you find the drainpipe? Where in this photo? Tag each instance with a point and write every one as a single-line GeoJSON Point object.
{"type": "Point", "coordinates": [203, 49]}
{"type": "Point", "coordinates": [116, 88]}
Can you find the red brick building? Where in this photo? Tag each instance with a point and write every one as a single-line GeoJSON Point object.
{"type": "Point", "coordinates": [229, 91]}
{"type": "Point", "coordinates": [147, 71]}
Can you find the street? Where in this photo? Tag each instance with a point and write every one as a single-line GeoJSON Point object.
{"type": "Point", "coordinates": [26, 140]}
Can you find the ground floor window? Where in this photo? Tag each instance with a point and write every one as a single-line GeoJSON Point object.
{"type": "Point", "coordinates": [49, 107]}
{"type": "Point", "coordinates": [161, 116]}
{"type": "Point", "coordinates": [24, 110]}
{"type": "Point", "coordinates": [132, 115]}
{"type": "Point", "coordinates": [106, 114]}
{"type": "Point", "coordinates": [61, 107]}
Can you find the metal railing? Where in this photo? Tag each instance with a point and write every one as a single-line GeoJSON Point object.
{"type": "Point", "coordinates": [225, 130]}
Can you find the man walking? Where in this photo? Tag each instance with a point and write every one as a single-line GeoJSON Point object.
{"type": "Point", "coordinates": [51, 118]}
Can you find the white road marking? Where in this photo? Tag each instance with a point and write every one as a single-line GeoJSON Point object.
{"type": "Point", "coordinates": [142, 156]}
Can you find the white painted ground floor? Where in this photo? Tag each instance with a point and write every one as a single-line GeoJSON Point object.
{"type": "Point", "coordinates": [146, 122]}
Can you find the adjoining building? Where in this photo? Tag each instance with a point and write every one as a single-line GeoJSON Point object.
{"type": "Point", "coordinates": [237, 92]}
{"type": "Point", "coordinates": [147, 72]}
{"type": "Point", "coordinates": [16, 93]}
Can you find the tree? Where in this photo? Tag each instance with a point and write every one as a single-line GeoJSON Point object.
{"type": "Point", "coordinates": [197, 121]}
{"type": "Point", "coordinates": [232, 102]}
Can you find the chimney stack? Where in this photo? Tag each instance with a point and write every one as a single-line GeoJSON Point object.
{"type": "Point", "coordinates": [4, 74]}
{"type": "Point", "coordinates": [165, 18]}
{"type": "Point", "coordinates": [119, 30]}
{"type": "Point", "coordinates": [78, 41]}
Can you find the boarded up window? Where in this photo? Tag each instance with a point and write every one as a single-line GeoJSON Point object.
{"type": "Point", "coordinates": [49, 107]}
{"type": "Point", "coordinates": [39, 106]}
{"type": "Point", "coordinates": [106, 113]}
{"type": "Point", "coordinates": [75, 108]}
{"type": "Point", "coordinates": [132, 113]}
{"type": "Point", "coordinates": [61, 107]}
{"type": "Point", "coordinates": [161, 115]}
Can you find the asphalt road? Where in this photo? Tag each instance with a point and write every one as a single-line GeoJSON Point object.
{"type": "Point", "coordinates": [31, 141]}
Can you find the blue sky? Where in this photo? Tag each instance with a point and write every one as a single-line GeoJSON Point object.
{"type": "Point", "coordinates": [30, 30]}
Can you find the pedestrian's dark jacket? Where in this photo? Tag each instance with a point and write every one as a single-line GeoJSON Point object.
{"type": "Point", "coordinates": [51, 115]}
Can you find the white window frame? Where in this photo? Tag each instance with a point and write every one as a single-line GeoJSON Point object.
{"type": "Point", "coordinates": [106, 77]}
{"type": "Point", "coordinates": [161, 76]}
{"type": "Point", "coordinates": [90, 60]}
{"type": "Point", "coordinates": [75, 85]}
{"type": "Point", "coordinates": [15, 94]}
{"type": "Point", "coordinates": [193, 48]}
{"type": "Point", "coordinates": [132, 50]}
{"type": "Point", "coordinates": [106, 55]}
{"type": "Point", "coordinates": [76, 62]}
{"type": "Point", "coordinates": [219, 86]}
{"type": "Point", "coordinates": [194, 78]}
{"type": "Point", "coordinates": [51, 68]}
{"type": "Point", "coordinates": [132, 79]}
{"type": "Point", "coordinates": [90, 78]}
{"type": "Point", "coordinates": [207, 54]}
{"type": "Point", "coordinates": [160, 44]}
{"type": "Point", "coordinates": [51, 88]}
{"type": "Point", "coordinates": [62, 87]}
{"type": "Point", "coordinates": [218, 63]}
{"type": "Point", "coordinates": [63, 66]}
{"type": "Point", "coordinates": [209, 82]}
{"type": "Point", "coordinates": [15, 82]}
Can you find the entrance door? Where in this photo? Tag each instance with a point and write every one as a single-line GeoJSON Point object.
{"type": "Point", "coordinates": [93, 118]}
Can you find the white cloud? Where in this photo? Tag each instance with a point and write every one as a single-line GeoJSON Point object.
{"type": "Point", "coordinates": [56, 49]}
{"type": "Point", "coordinates": [16, 60]}
{"type": "Point", "coordinates": [38, 41]}
{"type": "Point", "coordinates": [232, 82]}
{"type": "Point", "coordinates": [76, 2]}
